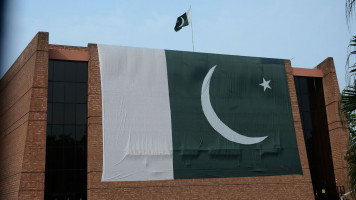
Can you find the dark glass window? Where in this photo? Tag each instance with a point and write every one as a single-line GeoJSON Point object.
{"type": "Point", "coordinates": [58, 70]}
{"type": "Point", "coordinates": [57, 113]}
{"type": "Point", "coordinates": [70, 113]}
{"type": "Point", "coordinates": [312, 110]}
{"type": "Point", "coordinates": [66, 147]}
{"type": "Point", "coordinates": [81, 89]}
{"type": "Point", "coordinates": [70, 93]}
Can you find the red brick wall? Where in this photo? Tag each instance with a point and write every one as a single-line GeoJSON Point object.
{"type": "Point", "coordinates": [23, 107]}
{"type": "Point", "coordinates": [338, 131]}
{"type": "Point", "coordinates": [270, 187]}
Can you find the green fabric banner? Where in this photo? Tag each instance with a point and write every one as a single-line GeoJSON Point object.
{"type": "Point", "coordinates": [238, 124]}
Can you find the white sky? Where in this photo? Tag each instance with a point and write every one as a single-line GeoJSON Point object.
{"type": "Point", "coordinates": [307, 31]}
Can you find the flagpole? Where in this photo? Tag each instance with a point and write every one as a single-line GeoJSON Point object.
{"type": "Point", "coordinates": [191, 25]}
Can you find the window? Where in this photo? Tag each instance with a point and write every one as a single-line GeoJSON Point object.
{"type": "Point", "coordinates": [66, 148]}
{"type": "Point", "coordinates": [312, 110]}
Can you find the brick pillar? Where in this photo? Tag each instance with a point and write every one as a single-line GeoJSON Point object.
{"type": "Point", "coordinates": [33, 177]}
{"type": "Point", "coordinates": [95, 140]}
{"type": "Point", "coordinates": [338, 131]}
{"type": "Point", "coordinates": [23, 115]}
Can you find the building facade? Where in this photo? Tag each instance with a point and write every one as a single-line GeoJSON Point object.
{"type": "Point", "coordinates": [55, 88]}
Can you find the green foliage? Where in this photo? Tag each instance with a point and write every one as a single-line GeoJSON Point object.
{"type": "Point", "coordinates": [348, 101]}
{"type": "Point", "coordinates": [351, 161]}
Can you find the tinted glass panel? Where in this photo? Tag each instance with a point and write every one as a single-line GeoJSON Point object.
{"type": "Point", "coordinates": [58, 71]}
{"type": "Point", "coordinates": [69, 158]}
{"type": "Point", "coordinates": [82, 72]}
{"type": "Point", "coordinates": [57, 132]}
{"type": "Point", "coordinates": [80, 134]}
{"type": "Point", "coordinates": [70, 75]}
{"type": "Point", "coordinates": [81, 90]}
{"type": "Point", "coordinates": [81, 113]}
{"type": "Point", "coordinates": [50, 92]}
{"type": "Point", "coordinates": [66, 151]}
{"type": "Point", "coordinates": [49, 112]}
{"type": "Point", "coordinates": [81, 156]}
{"type": "Point", "coordinates": [69, 135]}
{"type": "Point", "coordinates": [316, 135]}
{"type": "Point", "coordinates": [70, 92]}
{"type": "Point", "coordinates": [58, 92]}
{"type": "Point", "coordinates": [69, 113]}
{"type": "Point", "coordinates": [50, 70]}
{"type": "Point", "coordinates": [57, 113]}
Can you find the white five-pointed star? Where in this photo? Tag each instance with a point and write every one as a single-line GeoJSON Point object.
{"type": "Point", "coordinates": [265, 84]}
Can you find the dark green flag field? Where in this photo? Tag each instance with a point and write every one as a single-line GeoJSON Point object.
{"type": "Point", "coordinates": [241, 103]}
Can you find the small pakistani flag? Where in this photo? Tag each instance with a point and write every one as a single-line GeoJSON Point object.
{"type": "Point", "coordinates": [180, 115]}
{"type": "Point", "coordinates": [183, 20]}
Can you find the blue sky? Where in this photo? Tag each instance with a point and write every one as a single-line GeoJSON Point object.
{"type": "Point", "coordinates": [307, 31]}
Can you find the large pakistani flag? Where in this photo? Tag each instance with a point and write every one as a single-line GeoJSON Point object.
{"type": "Point", "coordinates": [179, 115]}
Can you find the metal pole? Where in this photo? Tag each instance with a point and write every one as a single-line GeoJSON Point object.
{"type": "Point", "coordinates": [191, 25]}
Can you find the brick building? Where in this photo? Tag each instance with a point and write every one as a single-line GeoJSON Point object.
{"type": "Point", "coordinates": [28, 117]}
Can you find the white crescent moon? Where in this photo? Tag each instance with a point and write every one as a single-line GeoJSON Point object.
{"type": "Point", "coordinates": [214, 120]}
{"type": "Point", "coordinates": [182, 21]}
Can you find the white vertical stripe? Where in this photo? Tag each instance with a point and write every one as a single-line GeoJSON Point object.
{"type": "Point", "coordinates": [137, 133]}
{"type": "Point", "coordinates": [189, 16]}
